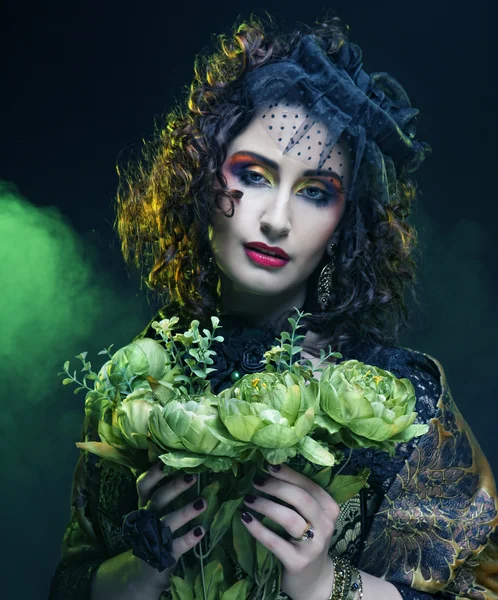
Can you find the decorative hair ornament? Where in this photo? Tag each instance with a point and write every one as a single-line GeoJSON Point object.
{"type": "Point", "coordinates": [373, 112]}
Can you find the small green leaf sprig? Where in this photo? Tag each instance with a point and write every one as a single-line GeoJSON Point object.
{"type": "Point", "coordinates": [189, 351]}
{"type": "Point", "coordinates": [280, 358]}
{"type": "Point", "coordinates": [71, 378]}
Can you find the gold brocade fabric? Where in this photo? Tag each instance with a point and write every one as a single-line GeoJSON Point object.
{"type": "Point", "coordinates": [436, 528]}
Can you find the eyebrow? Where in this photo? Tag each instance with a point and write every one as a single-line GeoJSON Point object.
{"type": "Point", "coordinates": [273, 165]}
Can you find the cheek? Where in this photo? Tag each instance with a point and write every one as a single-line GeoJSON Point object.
{"type": "Point", "coordinates": [315, 226]}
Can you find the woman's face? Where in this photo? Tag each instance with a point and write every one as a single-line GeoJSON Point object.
{"type": "Point", "coordinates": [286, 203]}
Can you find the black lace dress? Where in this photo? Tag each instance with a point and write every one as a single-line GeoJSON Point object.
{"type": "Point", "coordinates": [427, 523]}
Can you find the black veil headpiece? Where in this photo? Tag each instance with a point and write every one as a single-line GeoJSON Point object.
{"type": "Point", "coordinates": [373, 111]}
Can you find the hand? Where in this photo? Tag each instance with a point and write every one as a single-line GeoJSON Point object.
{"type": "Point", "coordinates": [308, 570]}
{"type": "Point", "coordinates": [156, 499]}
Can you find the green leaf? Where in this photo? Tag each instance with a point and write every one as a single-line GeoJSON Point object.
{"type": "Point", "coordinates": [67, 381]}
{"type": "Point", "coordinates": [213, 576]}
{"type": "Point", "coordinates": [296, 349]}
{"type": "Point", "coordinates": [238, 591]}
{"type": "Point", "coordinates": [276, 456]}
{"type": "Point", "coordinates": [200, 373]}
{"type": "Point", "coordinates": [180, 590]}
{"type": "Point", "coordinates": [293, 323]}
{"type": "Point", "coordinates": [345, 487]}
{"type": "Point", "coordinates": [210, 493]}
{"type": "Point", "coordinates": [182, 460]}
{"type": "Point", "coordinates": [222, 520]}
{"type": "Point", "coordinates": [264, 562]}
{"type": "Point", "coordinates": [322, 478]}
{"type": "Point", "coordinates": [66, 365]}
{"type": "Point", "coordinates": [244, 544]}
{"type": "Point", "coordinates": [315, 453]}
{"type": "Point", "coordinates": [105, 451]}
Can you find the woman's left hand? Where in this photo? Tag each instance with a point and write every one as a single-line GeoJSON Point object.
{"type": "Point", "coordinates": [308, 570]}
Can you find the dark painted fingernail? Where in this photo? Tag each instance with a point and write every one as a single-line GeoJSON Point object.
{"type": "Point", "coordinates": [188, 478]}
{"type": "Point", "coordinates": [258, 480]}
{"type": "Point", "coordinates": [250, 499]}
{"type": "Point", "coordinates": [198, 504]}
{"type": "Point", "coordinates": [246, 517]}
{"type": "Point", "coordinates": [270, 467]}
{"type": "Point", "coordinates": [198, 531]}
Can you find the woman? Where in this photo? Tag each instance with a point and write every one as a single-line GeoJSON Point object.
{"type": "Point", "coordinates": [286, 184]}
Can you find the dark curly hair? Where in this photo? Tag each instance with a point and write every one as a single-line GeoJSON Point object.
{"type": "Point", "coordinates": [165, 202]}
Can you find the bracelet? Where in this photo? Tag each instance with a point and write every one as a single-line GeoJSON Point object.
{"type": "Point", "coordinates": [347, 581]}
{"type": "Point", "coordinates": [356, 586]}
{"type": "Point", "coordinates": [342, 578]}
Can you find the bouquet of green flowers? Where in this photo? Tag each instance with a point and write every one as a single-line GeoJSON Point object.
{"type": "Point", "coordinates": [153, 400]}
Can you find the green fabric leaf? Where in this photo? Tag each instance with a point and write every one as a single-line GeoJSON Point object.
{"type": "Point", "coordinates": [410, 432]}
{"type": "Point", "coordinates": [222, 520]}
{"type": "Point", "coordinates": [275, 436]}
{"type": "Point", "coordinates": [276, 456]}
{"type": "Point", "coordinates": [322, 478]}
{"type": "Point", "coordinates": [106, 451]}
{"type": "Point", "coordinates": [213, 576]}
{"type": "Point", "coordinates": [238, 591]}
{"type": "Point", "coordinates": [182, 460]}
{"type": "Point", "coordinates": [316, 453]}
{"type": "Point", "coordinates": [345, 487]}
{"type": "Point", "coordinates": [210, 493]}
{"type": "Point", "coordinates": [180, 590]}
{"type": "Point", "coordinates": [244, 544]}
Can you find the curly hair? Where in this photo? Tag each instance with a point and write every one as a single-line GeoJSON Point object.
{"type": "Point", "coordinates": [165, 202]}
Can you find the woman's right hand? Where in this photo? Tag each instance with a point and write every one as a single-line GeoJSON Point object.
{"type": "Point", "coordinates": [156, 497]}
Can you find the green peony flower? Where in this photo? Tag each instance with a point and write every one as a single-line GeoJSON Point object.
{"type": "Point", "coordinates": [193, 425]}
{"type": "Point", "coordinates": [130, 366]}
{"type": "Point", "coordinates": [268, 409]}
{"type": "Point", "coordinates": [132, 418]}
{"type": "Point", "coordinates": [274, 412]}
{"type": "Point", "coordinates": [367, 406]}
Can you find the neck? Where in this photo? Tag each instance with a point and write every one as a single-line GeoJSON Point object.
{"type": "Point", "coordinates": [258, 310]}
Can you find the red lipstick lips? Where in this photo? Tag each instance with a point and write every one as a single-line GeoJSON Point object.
{"type": "Point", "coordinates": [268, 256]}
{"type": "Point", "coordinates": [270, 250]}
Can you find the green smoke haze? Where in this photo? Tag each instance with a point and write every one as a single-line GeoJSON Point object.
{"type": "Point", "coordinates": [55, 301]}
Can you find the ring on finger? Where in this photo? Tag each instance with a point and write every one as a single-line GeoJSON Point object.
{"type": "Point", "coordinates": [307, 535]}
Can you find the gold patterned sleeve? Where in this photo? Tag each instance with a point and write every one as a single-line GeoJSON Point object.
{"type": "Point", "coordinates": [436, 529]}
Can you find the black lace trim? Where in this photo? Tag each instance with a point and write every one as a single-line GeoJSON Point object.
{"type": "Point", "coordinates": [73, 581]}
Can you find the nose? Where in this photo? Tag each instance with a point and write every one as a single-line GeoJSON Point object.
{"type": "Point", "coordinates": [275, 220]}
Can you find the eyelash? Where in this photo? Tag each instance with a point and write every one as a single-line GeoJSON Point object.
{"type": "Point", "coordinates": [327, 198]}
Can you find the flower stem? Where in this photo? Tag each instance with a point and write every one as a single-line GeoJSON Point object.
{"type": "Point", "coordinates": [201, 556]}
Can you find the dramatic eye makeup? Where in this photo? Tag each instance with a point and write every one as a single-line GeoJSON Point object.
{"type": "Point", "coordinates": [251, 169]}
{"type": "Point", "coordinates": [243, 166]}
{"type": "Point", "coordinates": [322, 192]}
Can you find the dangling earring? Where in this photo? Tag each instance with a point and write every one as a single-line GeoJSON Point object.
{"type": "Point", "coordinates": [324, 287]}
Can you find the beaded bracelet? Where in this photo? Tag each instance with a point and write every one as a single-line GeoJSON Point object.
{"type": "Point", "coordinates": [356, 586]}
{"type": "Point", "coordinates": [345, 588]}
{"type": "Point", "coordinates": [342, 578]}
